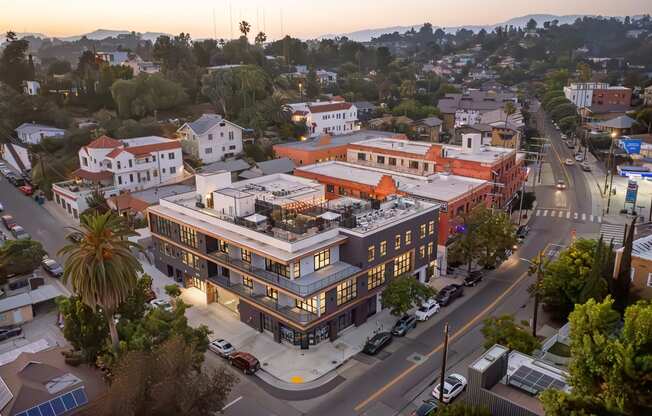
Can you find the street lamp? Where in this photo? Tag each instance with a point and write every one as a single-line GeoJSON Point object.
{"type": "Point", "coordinates": [301, 91]}
{"type": "Point", "coordinates": [610, 170]}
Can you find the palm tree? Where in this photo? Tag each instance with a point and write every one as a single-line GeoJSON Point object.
{"type": "Point", "coordinates": [100, 264]}
{"type": "Point", "coordinates": [261, 37]}
{"type": "Point", "coordinates": [245, 28]}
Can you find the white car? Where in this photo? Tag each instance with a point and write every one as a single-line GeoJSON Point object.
{"type": "Point", "coordinates": [569, 162]}
{"type": "Point", "coordinates": [161, 303]}
{"type": "Point", "coordinates": [579, 158]}
{"type": "Point", "coordinates": [454, 384]}
{"type": "Point", "coordinates": [221, 347]}
{"type": "Point", "coordinates": [428, 309]}
{"type": "Point", "coordinates": [564, 137]}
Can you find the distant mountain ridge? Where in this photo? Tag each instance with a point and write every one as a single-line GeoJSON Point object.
{"type": "Point", "coordinates": [98, 34]}
{"type": "Point", "coordinates": [366, 34]}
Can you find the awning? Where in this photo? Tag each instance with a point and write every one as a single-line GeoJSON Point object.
{"type": "Point", "coordinates": [330, 216]}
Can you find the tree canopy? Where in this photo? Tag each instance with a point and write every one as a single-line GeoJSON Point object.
{"type": "Point", "coordinates": [404, 293]}
{"type": "Point", "coordinates": [18, 257]}
{"type": "Point", "coordinates": [145, 94]}
{"type": "Point", "coordinates": [504, 331]}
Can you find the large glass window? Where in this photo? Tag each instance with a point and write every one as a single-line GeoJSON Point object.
{"type": "Point", "coordinates": [422, 231]}
{"type": "Point", "coordinates": [397, 242]}
{"type": "Point", "coordinates": [297, 269]}
{"type": "Point", "coordinates": [223, 246]}
{"type": "Point", "coordinates": [278, 268]}
{"type": "Point", "coordinates": [408, 237]}
{"type": "Point", "coordinates": [402, 264]}
{"type": "Point", "coordinates": [371, 253]}
{"type": "Point", "coordinates": [163, 226]}
{"type": "Point", "coordinates": [376, 277]}
{"type": "Point", "coordinates": [245, 255]}
{"type": "Point", "coordinates": [431, 227]}
{"type": "Point", "coordinates": [189, 259]}
{"type": "Point", "coordinates": [347, 291]}
{"type": "Point", "coordinates": [247, 282]}
{"type": "Point", "coordinates": [383, 248]}
{"type": "Point", "coordinates": [322, 259]}
{"type": "Point", "coordinates": [272, 293]}
{"type": "Point", "coordinates": [189, 236]}
{"type": "Point", "coordinates": [310, 305]}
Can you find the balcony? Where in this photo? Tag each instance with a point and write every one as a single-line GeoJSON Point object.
{"type": "Point", "coordinates": [303, 286]}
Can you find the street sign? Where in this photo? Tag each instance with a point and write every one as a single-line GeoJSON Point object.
{"type": "Point", "coordinates": [631, 146]}
{"type": "Point", "coordinates": [632, 192]}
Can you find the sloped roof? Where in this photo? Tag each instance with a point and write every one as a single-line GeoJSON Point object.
{"type": "Point", "coordinates": [35, 128]}
{"type": "Point", "coordinates": [229, 166]}
{"type": "Point", "coordinates": [156, 147]}
{"type": "Point", "coordinates": [325, 108]}
{"type": "Point", "coordinates": [621, 122]}
{"type": "Point", "coordinates": [104, 142]}
{"type": "Point", "coordinates": [430, 121]}
{"type": "Point", "coordinates": [92, 176]}
{"type": "Point", "coordinates": [207, 122]}
{"type": "Point", "coordinates": [270, 167]}
{"type": "Point", "coordinates": [113, 153]}
{"type": "Point", "coordinates": [128, 201]}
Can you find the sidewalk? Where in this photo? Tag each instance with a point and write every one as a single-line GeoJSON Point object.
{"type": "Point", "coordinates": [57, 213]}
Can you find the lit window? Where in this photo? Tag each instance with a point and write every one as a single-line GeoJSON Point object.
{"type": "Point", "coordinates": [371, 253]}
{"type": "Point", "coordinates": [431, 227]}
{"type": "Point", "coordinates": [272, 293]}
{"type": "Point", "coordinates": [245, 255]}
{"type": "Point", "coordinates": [247, 282]}
{"type": "Point", "coordinates": [376, 277]}
{"type": "Point", "coordinates": [189, 236]}
{"type": "Point", "coordinates": [422, 251]}
{"type": "Point", "coordinates": [408, 237]}
{"type": "Point", "coordinates": [313, 304]}
{"type": "Point", "coordinates": [297, 269]}
{"type": "Point", "coordinates": [422, 231]}
{"type": "Point", "coordinates": [402, 264]}
{"type": "Point", "coordinates": [383, 248]}
{"type": "Point", "coordinates": [397, 242]}
{"type": "Point", "coordinates": [430, 249]}
{"type": "Point", "coordinates": [347, 291]}
{"type": "Point", "coordinates": [322, 259]}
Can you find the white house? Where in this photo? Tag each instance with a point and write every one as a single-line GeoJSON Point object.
{"type": "Point", "coordinates": [113, 58]}
{"type": "Point", "coordinates": [326, 77]}
{"type": "Point", "coordinates": [138, 66]}
{"type": "Point", "coordinates": [114, 166]}
{"type": "Point", "coordinates": [211, 138]}
{"type": "Point", "coordinates": [326, 117]}
{"type": "Point", "coordinates": [32, 133]}
{"type": "Point", "coordinates": [16, 155]}
{"type": "Point", "coordinates": [31, 87]}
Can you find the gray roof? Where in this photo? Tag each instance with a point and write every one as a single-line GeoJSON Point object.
{"type": "Point", "coordinates": [621, 122]}
{"type": "Point", "coordinates": [339, 140]}
{"type": "Point", "coordinates": [430, 121]}
{"type": "Point", "coordinates": [364, 105]}
{"type": "Point", "coordinates": [270, 167]}
{"type": "Point", "coordinates": [229, 166]}
{"type": "Point", "coordinates": [153, 195]}
{"type": "Point", "coordinates": [35, 128]}
{"type": "Point", "coordinates": [207, 122]}
{"type": "Point", "coordinates": [474, 100]}
{"type": "Point", "coordinates": [38, 295]}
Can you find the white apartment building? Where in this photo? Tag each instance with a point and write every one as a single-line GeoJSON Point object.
{"type": "Point", "coordinates": [211, 138]}
{"type": "Point", "coordinates": [581, 93]}
{"type": "Point", "coordinates": [326, 117]}
{"type": "Point", "coordinates": [114, 166]}
{"type": "Point", "coordinates": [33, 133]}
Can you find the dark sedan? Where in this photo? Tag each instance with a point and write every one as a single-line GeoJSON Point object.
{"type": "Point", "coordinates": [377, 343]}
{"type": "Point", "coordinates": [53, 268]}
{"type": "Point", "coordinates": [449, 293]}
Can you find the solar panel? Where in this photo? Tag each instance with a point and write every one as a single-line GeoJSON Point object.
{"type": "Point", "coordinates": [533, 381]}
{"type": "Point", "coordinates": [59, 405]}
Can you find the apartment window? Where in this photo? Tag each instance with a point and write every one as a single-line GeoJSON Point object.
{"type": "Point", "coordinates": [425, 167]}
{"type": "Point", "coordinates": [170, 156]}
{"type": "Point", "coordinates": [402, 264]}
{"type": "Point", "coordinates": [131, 163]}
{"type": "Point", "coordinates": [322, 259]}
{"type": "Point", "coordinates": [223, 246]}
{"type": "Point", "coordinates": [189, 236]}
{"type": "Point", "coordinates": [330, 188]}
{"type": "Point", "coordinates": [430, 248]}
{"type": "Point", "coordinates": [210, 136]}
{"type": "Point", "coordinates": [341, 190]}
{"type": "Point", "coordinates": [422, 231]}
{"type": "Point", "coordinates": [397, 242]}
{"type": "Point", "coordinates": [131, 178]}
{"type": "Point", "coordinates": [153, 160]}
{"type": "Point", "coordinates": [163, 226]}
{"type": "Point", "coordinates": [119, 180]}
{"type": "Point", "coordinates": [297, 269]}
{"type": "Point", "coordinates": [189, 259]}
{"type": "Point", "coordinates": [247, 282]}
{"type": "Point", "coordinates": [376, 277]}
{"type": "Point", "coordinates": [84, 161]}
{"type": "Point", "coordinates": [392, 161]}
{"type": "Point", "coordinates": [272, 293]}
{"type": "Point", "coordinates": [431, 227]}
{"type": "Point", "coordinates": [380, 159]}
{"type": "Point", "coordinates": [347, 291]}
{"type": "Point", "coordinates": [383, 248]}
{"type": "Point", "coordinates": [173, 170]}
{"type": "Point", "coordinates": [245, 255]}
{"type": "Point", "coordinates": [362, 156]}
{"type": "Point", "coordinates": [408, 237]}
{"type": "Point", "coordinates": [230, 135]}
{"type": "Point", "coordinates": [208, 150]}
{"type": "Point", "coordinates": [371, 253]}
{"type": "Point", "coordinates": [313, 304]}
{"type": "Point", "coordinates": [422, 251]}
{"type": "Point", "coordinates": [118, 165]}
{"type": "Point", "coordinates": [278, 268]}
{"type": "Point", "coordinates": [231, 147]}
{"type": "Point", "coordinates": [414, 164]}
{"type": "Point", "coordinates": [649, 280]}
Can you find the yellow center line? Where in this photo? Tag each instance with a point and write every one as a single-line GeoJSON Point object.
{"type": "Point", "coordinates": [561, 163]}
{"type": "Point", "coordinates": [457, 334]}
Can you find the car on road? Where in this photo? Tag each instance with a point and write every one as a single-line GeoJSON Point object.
{"type": "Point", "coordinates": [376, 343]}
{"type": "Point", "coordinates": [5, 172]}
{"type": "Point", "coordinates": [561, 184]}
{"type": "Point", "coordinates": [221, 347]}
{"type": "Point", "coordinates": [563, 136]}
{"type": "Point", "coordinates": [16, 180]}
{"type": "Point", "coordinates": [427, 309]}
{"type": "Point", "coordinates": [26, 189]}
{"type": "Point", "coordinates": [473, 279]}
{"type": "Point", "coordinates": [569, 162]}
{"type": "Point", "coordinates": [449, 293]}
{"type": "Point", "coordinates": [244, 362]}
{"type": "Point", "coordinates": [10, 332]}
{"type": "Point", "coordinates": [19, 233]}
{"type": "Point", "coordinates": [570, 144]}
{"type": "Point", "coordinates": [454, 384]}
{"type": "Point", "coordinates": [522, 232]}
{"type": "Point", "coordinates": [585, 167]}
{"type": "Point", "coordinates": [8, 221]}
{"type": "Point", "coordinates": [161, 303]}
{"type": "Point", "coordinates": [579, 157]}
{"type": "Point", "coordinates": [427, 408]}
{"type": "Point", "coordinates": [404, 325]}
{"type": "Point", "coordinates": [53, 268]}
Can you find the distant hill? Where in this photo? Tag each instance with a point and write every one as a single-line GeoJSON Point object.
{"type": "Point", "coordinates": [366, 34]}
{"type": "Point", "coordinates": [100, 34]}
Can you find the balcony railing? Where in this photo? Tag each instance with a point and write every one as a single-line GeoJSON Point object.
{"type": "Point", "coordinates": [295, 286]}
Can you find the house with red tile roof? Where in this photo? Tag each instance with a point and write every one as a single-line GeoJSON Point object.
{"type": "Point", "coordinates": [326, 117]}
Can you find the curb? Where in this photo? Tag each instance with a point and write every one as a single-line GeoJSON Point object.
{"type": "Point", "coordinates": [287, 386]}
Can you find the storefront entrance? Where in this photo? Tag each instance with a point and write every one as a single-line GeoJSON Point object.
{"type": "Point", "coordinates": [196, 282]}
{"type": "Point", "coordinates": [228, 300]}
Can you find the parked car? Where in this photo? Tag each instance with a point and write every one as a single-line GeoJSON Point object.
{"type": "Point", "coordinates": [161, 303]}
{"type": "Point", "coordinates": [221, 347]}
{"type": "Point", "coordinates": [585, 167]}
{"type": "Point", "coordinates": [10, 332]}
{"type": "Point", "coordinates": [53, 268]}
{"type": "Point", "coordinates": [561, 184]}
{"type": "Point", "coordinates": [428, 408]}
{"type": "Point", "coordinates": [5, 172]}
{"type": "Point", "coordinates": [449, 293]}
{"type": "Point", "coordinates": [569, 162]}
{"type": "Point", "coordinates": [16, 180]}
{"type": "Point", "coordinates": [454, 384]}
{"type": "Point", "coordinates": [244, 362]}
{"type": "Point", "coordinates": [570, 144]}
{"type": "Point", "coordinates": [473, 279]}
{"type": "Point", "coordinates": [522, 232]}
{"type": "Point", "coordinates": [8, 221]}
{"type": "Point", "coordinates": [563, 136]}
{"type": "Point", "coordinates": [579, 158]}
{"type": "Point", "coordinates": [26, 189]}
{"type": "Point", "coordinates": [404, 325]}
{"type": "Point", "coordinates": [379, 341]}
{"type": "Point", "coordinates": [427, 310]}
{"type": "Point", "coordinates": [19, 233]}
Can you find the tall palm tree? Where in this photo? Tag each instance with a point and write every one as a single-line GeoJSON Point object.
{"type": "Point", "coordinates": [509, 108]}
{"type": "Point", "coordinates": [100, 264]}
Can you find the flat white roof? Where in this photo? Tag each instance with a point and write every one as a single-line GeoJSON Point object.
{"type": "Point", "coordinates": [487, 154]}
{"type": "Point", "coordinates": [278, 189]}
{"type": "Point", "coordinates": [399, 145]}
{"type": "Point", "coordinates": [142, 141]}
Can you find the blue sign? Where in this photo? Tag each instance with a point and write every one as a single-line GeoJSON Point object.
{"type": "Point", "coordinates": [631, 146]}
{"type": "Point", "coordinates": [632, 191]}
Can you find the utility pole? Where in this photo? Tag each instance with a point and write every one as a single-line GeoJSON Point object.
{"type": "Point", "coordinates": [611, 182]}
{"type": "Point", "coordinates": [443, 365]}
{"type": "Point", "coordinates": [520, 205]}
{"type": "Point", "coordinates": [650, 217]}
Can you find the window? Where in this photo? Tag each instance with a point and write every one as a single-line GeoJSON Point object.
{"type": "Point", "coordinates": [422, 251]}
{"type": "Point", "coordinates": [330, 188]}
{"type": "Point", "coordinates": [380, 159]}
{"type": "Point", "coordinates": [131, 163]}
{"type": "Point", "coordinates": [422, 231]}
{"type": "Point", "coordinates": [392, 161]}
{"type": "Point", "coordinates": [84, 161]}
{"type": "Point", "coordinates": [119, 180]}
{"type": "Point", "coordinates": [247, 282]}
{"type": "Point", "coordinates": [402, 264]}
{"type": "Point", "coordinates": [163, 226]}
{"type": "Point", "coordinates": [231, 147]}
{"type": "Point", "coordinates": [414, 164]}
{"type": "Point", "coordinates": [189, 236]}
{"type": "Point", "coordinates": [397, 242]}
{"type": "Point", "coordinates": [649, 280]}
{"type": "Point", "coordinates": [430, 248]}
{"type": "Point", "coordinates": [431, 227]}
{"type": "Point", "coordinates": [371, 253]}
{"type": "Point", "coordinates": [313, 304]}
{"type": "Point", "coordinates": [376, 277]}
{"type": "Point", "coordinates": [347, 291]}
{"type": "Point", "coordinates": [170, 156]}
{"type": "Point", "coordinates": [278, 268]}
{"type": "Point", "coordinates": [272, 293]}
{"type": "Point", "coordinates": [173, 170]}
{"type": "Point", "coordinates": [408, 237]}
{"type": "Point", "coordinates": [245, 255]}
{"type": "Point", "coordinates": [297, 269]}
{"type": "Point", "coordinates": [131, 178]}
{"type": "Point", "coordinates": [383, 248]}
{"type": "Point", "coordinates": [362, 156]}
{"type": "Point", "coordinates": [208, 150]}
{"type": "Point", "coordinates": [189, 259]}
{"type": "Point", "coordinates": [322, 259]}
{"type": "Point", "coordinates": [230, 135]}
{"type": "Point", "coordinates": [118, 165]}
{"type": "Point", "coordinates": [223, 246]}
{"type": "Point", "coordinates": [210, 136]}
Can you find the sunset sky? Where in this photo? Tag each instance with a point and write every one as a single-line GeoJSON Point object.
{"type": "Point", "coordinates": [307, 18]}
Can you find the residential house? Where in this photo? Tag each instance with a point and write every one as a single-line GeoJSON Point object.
{"type": "Point", "coordinates": [33, 133]}
{"type": "Point", "coordinates": [599, 97]}
{"type": "Point", "coordinates": [211, 138]}
{"type": "Point", "coordinates": [467, 108]}
{"type": "Point", "coordinates": [326, 77]}
{"type": "Point", "coordinates": [366, 110]}
{"type": "Point", "coordinates": [31, 87]}
{"type": "Point", "coordinates": [506, 129]}
{"type": "Point", "coordinates": [269, 167]}
{"type": "Point", "coordinates": [138, 66]}
{"type": "Point", "coordinates": [641, 273]}
{"type": "Point", "coordinates": [387, 121]}
{"type": "Point", "coordinates": [326, 117]}
{"type": "Point", "coordinates": [428, 129]}
{"type": "Point", "coordinates": [286, 261]}
{"type": "Point", "coordinates": [20, 308]}
{"type": "Point", "coordinates": [112, 166]}
{"type": "Point", "coordinates": [113, 58]}
{"type": "Point", "coordinates": [619, 126]}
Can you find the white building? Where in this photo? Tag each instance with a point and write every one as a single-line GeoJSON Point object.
{"type": "Point", "coordinates": [326, 77]}
{"type": "Point", "coordinates": [16, 156]}
{"type": "Point", "coordinates": [138, 66]}
{"type": "Point", "coordinates": [211, 138]}
{"type": "Point", "coordinates": [326, 117]}
{"type": "Point", "coordinates": [113, 166]}
{"type": "Point", "coordinates": [31, 87]}
{"type": "Point", "coordinates": [581, 93]}
{"type": "Point", "coordinates": [113, 58]}
{"type": "Point", "coordinates": [32, 133]}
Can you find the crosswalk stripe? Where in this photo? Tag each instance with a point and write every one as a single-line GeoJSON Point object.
{"type": "Point", "coordinates": [591, 218]}
{"type": "Point", "coordinates": [545, 213]}
{"type": "Point", "coordinates": [568, 215]}
{"type": "Point", "coordinates": [538, 212]}
{"type": "Point", "coordinates": [599, 219]}
{"type": "Point", "coordinates": [583, 217]}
